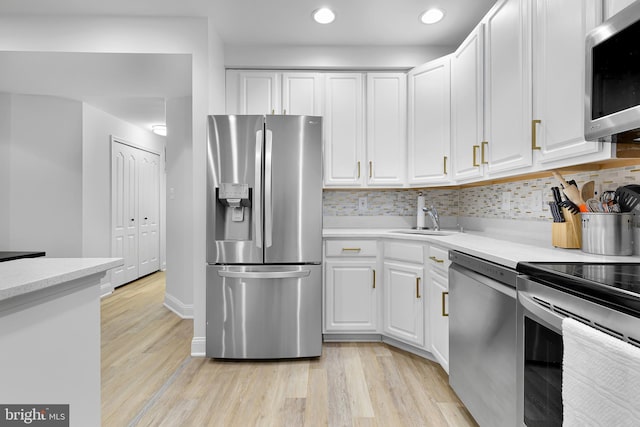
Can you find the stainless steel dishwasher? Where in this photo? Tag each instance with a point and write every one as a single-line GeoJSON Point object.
{"type": "Point", "coordinates": [482, 338]}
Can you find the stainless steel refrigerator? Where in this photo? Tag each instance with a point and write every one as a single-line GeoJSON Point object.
{"type": "Point", "coordinates": [264, 237]}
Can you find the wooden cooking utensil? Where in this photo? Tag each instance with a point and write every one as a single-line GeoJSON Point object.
{"type": "Point", "coordinates": [571, 191]}
{"type": "Point", "coordinates": [588, 190]}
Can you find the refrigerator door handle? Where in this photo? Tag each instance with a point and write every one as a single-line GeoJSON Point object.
{"type": "Point", "coordinates": [257, 202]}
{"type": "Point", "coordinates": [264, 274]}
{"type": "Point", "coordinates": [268, 201]}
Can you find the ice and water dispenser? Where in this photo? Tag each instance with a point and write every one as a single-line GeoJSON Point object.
{"type": "Point", "coordinates": [233, 216]}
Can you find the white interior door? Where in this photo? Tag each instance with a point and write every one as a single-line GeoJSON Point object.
{"type": "Point", "coordinates": [124, 213]}
{"type": "Point", "coordinates": [135, 211]}
{"type": "Point", "coordinates": [149, 210]}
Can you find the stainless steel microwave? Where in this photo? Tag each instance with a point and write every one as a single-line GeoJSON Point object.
{"type": "Point", "coordinates": [612, 101]}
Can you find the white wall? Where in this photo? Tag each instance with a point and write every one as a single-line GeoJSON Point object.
{"type": "Point", "coordinates": [5, 139]}
{"type": "Point", "coordinates": [97, 129]}
{"type": "Point", "coordinates": [45, 197]}
{"type": "Point", "coordinates": [145, 35]}
{"type": "Point", "coordinates": [322, 57]}
{"type": "Point", "coordinates": [179, 203]}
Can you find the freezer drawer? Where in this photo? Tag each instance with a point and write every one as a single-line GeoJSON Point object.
{"type": "Point", "coordinates": [264, 312]}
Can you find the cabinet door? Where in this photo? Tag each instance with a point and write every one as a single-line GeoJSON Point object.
{"type": "Point", "coordinates": [429, 122]}
{"type": "Point", "coordinates": [344, 130]}
{"type": "Point", "coordinates": [507, 87]}
{"type": "Point", "coordinates": [466, 106]}
{"type": "Point", "coordinates": [302, 94]}
{"type": "Point", "coordinates": [404, 302]}
{"type": "Point", "coordinates": [439, 313]}
{"type": "Point", "coordinates": [386, 128]}
{"type": "Point", "coordinates": [559, 32]}
{"type": "Point", "coordinates": [253, 92]}
{"type": "Point", "coordinates": [350, 296]}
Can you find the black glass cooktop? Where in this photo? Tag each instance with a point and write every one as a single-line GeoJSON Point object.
{"type": "Point", "coordinates": [613, 284]}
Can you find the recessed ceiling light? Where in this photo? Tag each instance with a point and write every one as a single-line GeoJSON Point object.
{"type": "Point", "coordinates": [159, 129]}
{"type": "Point", "coordinates": [324, 15]}
{"type": "Point", "coordinates": [432, 16]}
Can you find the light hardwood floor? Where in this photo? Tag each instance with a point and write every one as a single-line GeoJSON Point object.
{"type": "Point", "coordinates": [150, 379]}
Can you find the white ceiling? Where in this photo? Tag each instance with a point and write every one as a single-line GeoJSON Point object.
{"type": "Point", "coordinates": [133, 87]}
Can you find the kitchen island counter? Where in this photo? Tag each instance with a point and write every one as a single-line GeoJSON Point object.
{"type": "Point", "coordinates": [503, 252]}
{"type": "Point", "coordinates": [50, 334]}
{"type": "Point", "coordinates": [23, 276]}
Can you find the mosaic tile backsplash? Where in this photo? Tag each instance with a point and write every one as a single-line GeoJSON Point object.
{"type": "Point", "coordinates": [480, 202]}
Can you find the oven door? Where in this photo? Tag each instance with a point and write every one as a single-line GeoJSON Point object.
{"type": "Point", "coordinates": [539, 358]}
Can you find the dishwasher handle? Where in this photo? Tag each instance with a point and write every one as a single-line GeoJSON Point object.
{"type": "Point", "coordinates": [553, 319]}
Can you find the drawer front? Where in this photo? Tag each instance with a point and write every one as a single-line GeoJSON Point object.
{"type": "Point", "coordinates": [439, 258]}
{"type": "Point", "coordinates": [351, 248]}
{"type": "Point", "coordinates": [407, 252]}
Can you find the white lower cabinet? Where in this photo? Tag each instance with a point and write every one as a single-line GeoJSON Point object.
{"type": "Point", "coordinates": [351, 287]}
{"type": "Point", "coordinates": [404, 292]}
{"type": "Point", "coordinates": [438, 283]}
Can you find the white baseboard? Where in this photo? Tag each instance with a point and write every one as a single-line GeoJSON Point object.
{"type": "Point", "coordinates": [198, 346]}
{"type": "Point", "coordinates": [185, 311]}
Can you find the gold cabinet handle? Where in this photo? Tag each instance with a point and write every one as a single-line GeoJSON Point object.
{"type": "Point", "coordinates": [445, 165]}
{"type": "Point", "coordinates": [444, 296]}
{"type": "Point", "coordinates": [438, 260]}
{"type": "Point", "coordinates": [374, 279]}
{"type": "Point", "coordinates": [370, 169]}
{"type": "Point", "coordinates": [534, 135]}
{"type": "Point", "coordinates": [351, 249]}
{"type": "Point", "coordinates": [358, 170]}
{"type": "Point", "coordinates": [483, 161]}
{"type": "Point", "coordinates": [475, 155]}
{"type": "Point", "coordinates": [418, 287]}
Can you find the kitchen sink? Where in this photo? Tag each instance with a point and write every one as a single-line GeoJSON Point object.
{"type": "Point", "coordinates": [427, 232]}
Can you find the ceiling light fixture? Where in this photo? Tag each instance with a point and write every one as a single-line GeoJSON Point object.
{"type": "Point", "coordinates": [432, 16]}
{"type": "Point", "coordinates": [324, 15]}
{"type": "Point", "coordinates": [159, 129]}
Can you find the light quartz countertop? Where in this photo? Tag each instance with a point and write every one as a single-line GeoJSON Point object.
{"type": "Point", "coordinates": [23, 276]}
{"type": "Point", "coordinates": [499, 251]}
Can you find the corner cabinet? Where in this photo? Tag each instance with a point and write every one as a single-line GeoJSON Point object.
{"type": "Point", "coordinates": [438, 280]}
{"type": "Point", "coordinates": [405, 292]}
{"type": "Point", "coordinates": [429, 123]}
{"type": "Point", "coordinates": [351, 287]}
{"type": "Point", "coordinates": [359, 155]}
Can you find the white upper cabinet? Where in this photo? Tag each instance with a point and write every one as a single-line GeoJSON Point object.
{"type": "Point", "coordinates": [559, 33]}
{"type": "Point", "coordinates": [344, 130]}
{"type": "Point", "coordinates": [507, 59]}
{"type": "Point", "coordinates": [429, 123]}
{"type": "Point", "coordinates": [386, 129]}
{"type": "Point", "coordinates": [302, 94]}
{"type": "Point", "coordinates": [467, 106]}
{"type": "Point", "coordinates": [253, 92]}
{"type": "Point", "coordinates": [270, 92]}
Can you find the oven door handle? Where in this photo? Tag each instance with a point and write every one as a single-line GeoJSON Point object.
{"type": "Point", "coordinates": [552, 319]}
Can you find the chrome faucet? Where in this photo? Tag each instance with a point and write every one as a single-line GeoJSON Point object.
{"type": "Point", "coordinates": [433, 214]}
